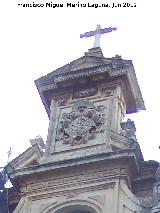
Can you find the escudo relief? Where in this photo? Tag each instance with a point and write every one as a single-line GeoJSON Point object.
{"type": "Point", "coordinates": [81, 124]}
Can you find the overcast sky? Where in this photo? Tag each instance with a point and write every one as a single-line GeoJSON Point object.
{"type": "Point", "coordinates": [36, 41]}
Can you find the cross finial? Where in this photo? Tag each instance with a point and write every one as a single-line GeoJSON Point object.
{"type": "Point", "coordinates": [97, 33]}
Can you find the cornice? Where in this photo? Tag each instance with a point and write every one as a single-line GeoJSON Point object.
{"type": "Point", "coordinates": [120, 154]}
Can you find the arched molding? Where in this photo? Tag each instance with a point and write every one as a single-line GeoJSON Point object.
{"type": "Point", "coordinates": [128, 202]}
{"type": "Point", "coordinates": [74, 205]}
{"type": "Point", "coordinates": [128, 193]}
{"type": "Point", "coordinates": [20, 206]}
{"type": "Point", "coordinates": [23, 205]}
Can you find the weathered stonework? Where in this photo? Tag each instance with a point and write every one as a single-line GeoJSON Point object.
{"type": "Point", "coordinates": [81, 124]}
{"type": "Point", "coordinates": [86, 92]}
{"type": "Point", "coordinates": [92, 162]}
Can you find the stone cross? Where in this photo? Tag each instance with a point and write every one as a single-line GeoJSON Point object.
{"type": "Point", "coordinates": [97, 33]}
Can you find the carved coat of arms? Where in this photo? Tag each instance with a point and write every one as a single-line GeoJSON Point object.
{"type": "Point", "coordinates": [81, 124]}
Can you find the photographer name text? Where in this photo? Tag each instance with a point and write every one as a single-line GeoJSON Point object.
{"type": "Point", "coordinates": [79, 5]}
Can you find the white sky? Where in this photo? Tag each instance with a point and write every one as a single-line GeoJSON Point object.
{"type": "Point", "coordinates": [36, 41]}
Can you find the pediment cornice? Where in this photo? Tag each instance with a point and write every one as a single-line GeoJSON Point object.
{"type": "Point", "coordinates": [86, 69]}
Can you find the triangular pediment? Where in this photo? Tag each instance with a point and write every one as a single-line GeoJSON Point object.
{"type": "Point", "coordinates": [119, 142]}
{"type": "Point", "coordinates": [28, 158]}
{"type": "Point", "coordinates": [93, 63]}
{"type": "Point", "coordinates": [87, 61]}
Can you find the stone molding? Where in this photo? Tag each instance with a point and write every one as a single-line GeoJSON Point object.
{"type": "Point", "coordinates": [76, 180]}
{"type": "Point", "coordinates": [100, 69]}
{"type": "Point", "coordinates": [85, 92]}
{"type": "Point", "coordinates": [33, 153]}
{"type": "Point", "coordinates": [84, 204]}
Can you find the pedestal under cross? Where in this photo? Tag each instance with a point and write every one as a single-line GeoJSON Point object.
{"type": "Point", "coordinates": [97, 33]}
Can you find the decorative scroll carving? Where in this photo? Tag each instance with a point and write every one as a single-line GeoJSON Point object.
{"type": "Point", "coordinates": [107, 91]}
{"type": "Point", "coordinates": [62, 99]}
{"type": "Point", "coordinates": [81, 124]}
{"type": "Point", "coordinates": [83, 93]}
{"type": "Point", "coordinates": [128, 129]}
